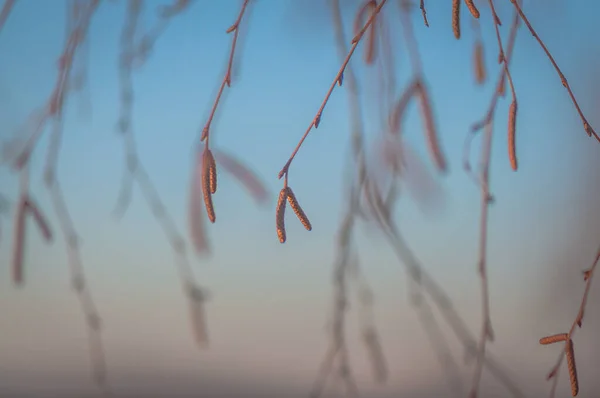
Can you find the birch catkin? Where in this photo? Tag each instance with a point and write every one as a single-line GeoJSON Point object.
{"type": "Point", "coordinates": [570, 353]}
{"type": "Point", "coordinates": [430, 129]}
{"type": "Point", "coordinates": [456, 18]}
{"type": "Point", "coordinates": [555, 338]}
{"type": "Point", "coordinates": [280, 214]}
{"type": "Point", "coordinates": [19, 243]}
{"type": "Point", "coordinates": [195, 210]}
{"type": "Point", "coordinates": [512, 126]}
{"type": "Point", "coordinates": [212, 172]}
{"type": "Point", "coordinates": [399, 108]}
{"type": "Point", "coordinates": [478, 62]}
{"type": "Point", "coordinates": [370, 50]}
{"type": "Point", "coordinates": [206, 191]}
{"type": "Point", "coordinates": [298, 209]}
{"type": "Point", "coordinates": [502, 86]}
{"type": "Point", "coordinates": [368, 6]}
{"type": "Point", "coordinates": [472, 8]}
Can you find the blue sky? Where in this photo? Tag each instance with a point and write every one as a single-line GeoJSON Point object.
{"type": "Point", "coordinates": [267, 294]}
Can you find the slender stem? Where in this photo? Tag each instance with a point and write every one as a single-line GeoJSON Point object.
{"type": "Point", "coordinates": [588, 128]}
{"type": "Point", "coordinates": [486, 327]}
{"type": "Point", "coordinates": [227, 77]}
{"type": "Point", "coordinates": [5, 11]}
{"type": "Point", "coordinates": [589, 275]}
{"type": "Point", "coordinates": [486, 323]}
{"type": "Point", "coordinates": [315, 122]}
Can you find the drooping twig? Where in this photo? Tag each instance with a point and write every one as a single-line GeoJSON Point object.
{"type": "Point", "coordinates": [577, 322]}
{"type": "Point", "coordinates": [424, 12]}
{"type": "Point", "coordinates": [438, 341]}
{"type": "Point", "coordinates": [124, 126]}
{"type": "Point", "coordinates": [143, 48]}
{"type": "Point", "coordinates": [439, 298]}
{"type": "Point", "coordinates": [337, 349]}
{"type": "Point", "coordinates": [136, 173]}
{"type": "Point", "coordinates": [52, 112]}
{"type": "Point", "coordinates": [416, 273]}
{"type": "Point", "coordinates": [316, 120]}
{"type": "Point", "coordinates": [18, 249]}
{"type": "Point", "coordinates": [227, 77]}
{"type": "Point", "coordinates": [586, 125]}
{"type": "Point", "coordinates": [486, 328]}
{"type": "Point", "coordinates": [5, 11]}
{"type": "Point", "coordinates": [486, 151]}
{"type": "Point", "coordinates": [513, 107]}
{"type": "Point", "coordinates": [205, 136]}
{"type": "Point", "coordinates": [430, 127]}
{"type": "Point", "coordinates": [134, 53]}
{"type": "Point", "coordinates": [489, 116]}
{"type": "Point", "coordinates": [78, 81]}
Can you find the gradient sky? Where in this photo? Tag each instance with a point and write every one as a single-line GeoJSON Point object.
{"type": "Point", "coordinates": [271, 301]}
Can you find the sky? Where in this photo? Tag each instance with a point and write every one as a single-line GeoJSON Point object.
{"type": "Point", "coordinates": [270, 303]}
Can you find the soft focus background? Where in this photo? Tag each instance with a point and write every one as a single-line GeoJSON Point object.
{"type": "Point", "coordinates": [270, 302]}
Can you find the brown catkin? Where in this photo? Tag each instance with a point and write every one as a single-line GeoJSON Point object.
{"type": "Point", "coordinates": [570, 353]}
{"type": "Point", "coordinates": [280, 214]}
{"type": "Point", "coordinates": [555, 338]}
{"type": "Point", "coordinates": [479, 63]}
{"type": "Point", "coordinates": [206, 191]}
{"type": "Point", "coordinates": [502, 86]}
{"type": "Point", "coordinates": [212, 172]}
{"type": "Point", "coordinates": [370, 50]}
{"type": "Point", "coordinates": [456, 18]}
{"type": "Point", "coordinates": [512, 127]}
{"type": "Point", "coordinates": [359, 20]}
{"type": "Point", "coordinates": [399, 108]}
{"type": "Point", "coordinates": [430, 129]}
{"type": "Point", "coordinates": [298, 210]}
{"type": "Point", "coordinates": [19, 243]}
{"type": "Point", "coordinates": [472, 8]}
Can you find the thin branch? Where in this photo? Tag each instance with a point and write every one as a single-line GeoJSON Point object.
{"type": "Point", "coordinates": [136, 173]}
{"type": "Point", "coordinates": [227, 77]}
{"type": "Point", "coordinates": [489, 116]}
{"type": "Point", "coordinates": [135, 54]}
{"type": "Point", "coordinates": [587, 277]}
{"type": "Point", "coordinates": [587, 127]}
{"type": "Point", "coordinates": [337, 348]}
{"type": "Point", "coordinates": [316, 120]}
{"type": "Point", "coordinates": [429, 125]}
{"type": "Point", "coordinates": [124, 126]}
{"type": "Point", "coordinates": [424, 12]}
{"type": "Point", "coordinates": [53, 112]}
{"type": "Point", "coordinates": [439, 343]}
{"type": "Point", "coordinates": [143, 48]}
{"type": "Point", "coordinates": [411, 41]}
{"type": "Point", "coordinates": [486, 323]}
{"type": "Point", "coordinates": [439, 298]}
{"type": "Point", "coordinates": [486, 328]}
{"type": "Point", "coordinates": [5, 12]}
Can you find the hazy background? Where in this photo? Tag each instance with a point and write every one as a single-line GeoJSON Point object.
{"type": "Point", "coordinates": [270, 302]}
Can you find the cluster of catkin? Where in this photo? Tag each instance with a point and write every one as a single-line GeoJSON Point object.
{"type": "Point", "coordinates": [287, 195]}
{"type": "Point", "coordinates": [570, 354]}
{"type": "Point", "coordinates": [480, 75]}
{"type": "Point", "coordinates": [456, 15]}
